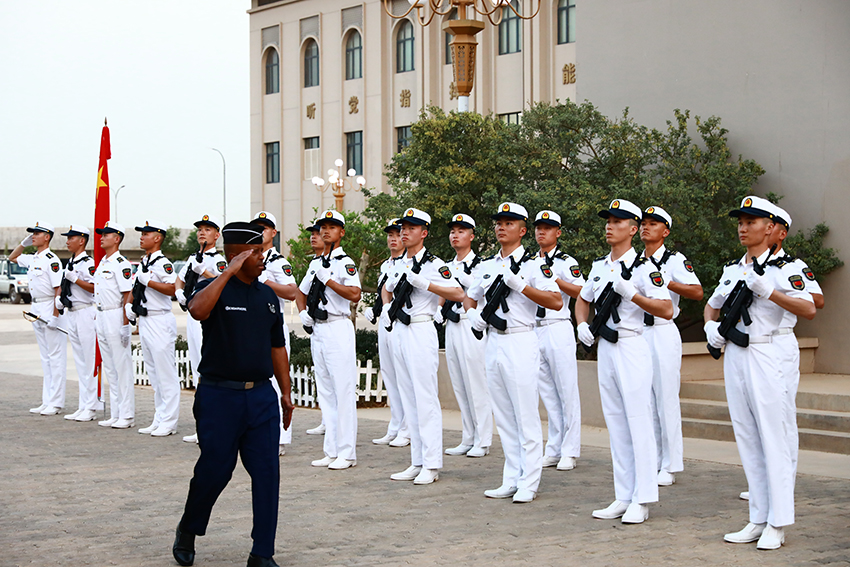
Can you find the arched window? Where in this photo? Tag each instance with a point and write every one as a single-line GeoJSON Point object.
{"type": "Point", "coordinates": [354, 56]}
{"type": "Point", "coordinates": [566, 21]}
{"type": "Point", "coordinates": [272, 72]}
{"type": "Point", "coordinates": [311, 64]}
{"type": "Point", "coordinates": [510, 30]}
{"type": "Point", "coordinates": [404, 44]}
{"type": "Point", "coordinates": [449, 37]}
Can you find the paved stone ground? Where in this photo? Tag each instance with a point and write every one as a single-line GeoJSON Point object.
{"type": "Point", "coordinates": [77, 494]}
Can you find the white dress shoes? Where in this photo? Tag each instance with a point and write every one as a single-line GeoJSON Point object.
{"type": "Point", "coordinates": [385, 440]}
{"type": "Point", "coordinates": [410, 473]}
{"type": "Point", "coordinates": [38, 409]}
{"type": "Point", "coordinates": [666, 478]}
{"type": "Point", "coordinates": [340, 464]}
{"type": "Point", "coordinates": [124, 423]}
{"type": "Point", "coordinates": [107, 422]}
{"type": "Point", "coordinates": [50, 410]}
{"type": "Point", "coordinates": [476, 452]}
{"type": "Point", "coordinates": [149, 429]}
{"type": "Point", "coordinates": [459, 450]}
{"type": "Point", "coordinates": [501, 492]}
{"type": "Point", "coordinates": [612, 512]}
{"type": "Point", "coordinates": [191, 438]}
{"type": "Point", "coordinates": [427, 476]}
{"type": "Point", "coordinates": [162, 431]}
{"type": "Point", "coordinates": [771, 538]}
{"type": "Point", "coordinates": [400, 442]}
{"type": "Point", "coordinates": [72, 416]}
{"type": "Point", "coordinates": [745, 495]}
{"type": "Point", "coordinates": [551, 461]}
{"type": "Point", "coordinates": [319, 430]}
{"type": "Point", "coordinates": [749, 534]}
{"type": "Point", "coordinates": [636, 514]}
{"type": "Point", "coordinates": [524, 496]}
{"type": "Point", "coordinates": [86, 415]}
{"type": "Point", "coordinates": [323, 462]}
{"type": "Point", "coordinates": [567, 463]}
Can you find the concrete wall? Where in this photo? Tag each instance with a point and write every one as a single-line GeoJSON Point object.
{"type": "Point", "coordinates": [776, 71]}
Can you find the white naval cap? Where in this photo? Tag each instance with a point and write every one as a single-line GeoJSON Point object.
{"type": "Point", "coordinates": [265, 217]}
{"type": "Point", "coordinates": [547, 217]}
{"type": "Point", "coordinates": [77, 230]}
{"type": "Point", "coordinates": [463, 220]}
{"type": "Point", "coordinates": [757, 207]}
{"type": "Point", "coordinates": [110, 227]}
{"type": "Point", "coordinates": [659, 214]}
{"type": "Point", "coordinates": [511, 211]}
{"type": "Point", "coordinates": [415, 216]}
{"type": "Point", "coordinates": [622, 209]}
{"type": "Point", "coordinates": [392, 224]}
{"type": "Point", "coordinates": [313, 227]}
{"type": "Point", "coordinates": [782, 217]}
{"type": "Point", "coordinates": [330, 216]}
{"type": "Point", "coordinates": [41, 226]}
{"type": "Point", "coordinates": [210, 220]}
{"type": "Point", "coordinates": [153, 226]}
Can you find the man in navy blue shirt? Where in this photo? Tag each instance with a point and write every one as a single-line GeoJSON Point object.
{"type": "Point", "coordinates": [236, 408]}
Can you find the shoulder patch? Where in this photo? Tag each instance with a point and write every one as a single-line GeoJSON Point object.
{"type": "Point", "coordinates": [119, 259]}
{"type": "Point", "coordinates": [350, 269]}
{"type": "Point", "coordinates": [797, 282]}
{"type": "Point", "coordinates": [91, 270]}
{"type": "Point", "coordinates": [50, 255]}
{"type": "Point", "coordinates": [220, 266]}
{"type": "Point", "coordinates": [731, 262]}
{"type": "Point", "coordinates": [287, 269]}
{"type": "Point", "coordinates": [689, 266]}
{"type": "Point", "coordinates": [575, 271]}
{"type": "Point", "coordinates": [169, 268]}
{"type": "Point", "coordinates": [54, 266]}
{"type": "Point", "coordinates": [446, 273]}
{"type": "Point", "coordinates": [547, 271]}
{"type": "Point", "coordinates": [657, 279]}
{"type": "Point", "coordinates": [600, 258]}
{"type": "Point", "coordinates": [810, 275]}
{"type": "Point", "coordinates": [127, 272]}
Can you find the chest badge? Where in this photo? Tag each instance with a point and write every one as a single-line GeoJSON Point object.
{"type": "Point", "coordinates": [446, 272]}
{"type": "Point", "coordinates": [657, 279]}
{"type": "Point", "coordinates": [272, 308]}
{"type": "Point", "coordinates": [727, 282]}
{"type": "Point", "coordinates": [689, 266]}
{"type": "Point", "coordinates": [486, 276]}
{"type": "Point", "coordinates": [575, 271]}
{"type": "Point", "coordinates": [797, 282]}
{"type": "Point", "coordinates": [596, 279]}
{"type": "Point", "coordinates": [127, 272]}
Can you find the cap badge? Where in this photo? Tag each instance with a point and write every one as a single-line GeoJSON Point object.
{"type": "Point", "coordinates": [262, 215]}
{"type": "Point", "coordinates": [615, 204]}
{"type": "Point", "coordinates": [409, 213]}
{"type": "Point", "coordinates": [147, 223]}
{"type": "Point", "coordinates": [205, 217]}
{"type": "Point", "coordinates": [650, 210]}
{"type": "Point", "coordinates": [748, 202]}
{"type": "Point", "coordinates": [544, 216]}
{"type": "Point", "coordinates": [329, 215]}
{"type": "Point", "coordinates": [506, 207]}
{"type": "Point", "coordinates": [36, 224]}
{"type": "Point", "coordinates": [459, 218]}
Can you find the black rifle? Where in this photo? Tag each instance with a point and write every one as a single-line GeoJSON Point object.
{"type": "Point", "coordinates": [192, 278]}
{"type": "Point", "coordinates": [379, 300]}
{"type": "Point", "coordinates": [497, 295]}
{"type": "Point", "coordinates": [606, 307]}
{"type": "Point", "coordinates": [65, 286]}
{"type": "Point", "coordinates": [316, 296]}
{"type": "Point", "coordinates": [139, 290]}
{"type": "Point", "coordinates": [735, 308]}
{"type": "Point", "coordinates": [402, 291]}
{"type": "Point", "coordinates": [447, 310]}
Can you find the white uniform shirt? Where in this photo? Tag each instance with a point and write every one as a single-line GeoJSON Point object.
{"type": "Point", "coordinates": [647, 280]}
{"type": "Point", "coordinates": [566, 269]}
{"type": "Point", "coordinates": [386, 268]}
{"type": "Point", "coordinates": [83, 265]}
{"type": "Point", "coordinates": [766, 315]}
{"type": "Point", "coordinates": [521, 310]}
{"type": "Point", "coordinates": [458, 270]}
{"type": "Point", "coordinates": [112, 279]}
{"type": "Point", "coordinates": [811, 285]}
{"type": "Point", "coordinates": [344, 272]}
{"type": "Point", "coordinates": [435, 271]}
{"type": "Point", "coordinates": [677, 269]}
{"type": "Point", "coordinates": [213, 261]}
{"type": "Point", "coordinates": [278, 270]}
{"type": "Point", "coordinates": [44, 271]}
{"type": "Point", "coordinates": [162, 271]}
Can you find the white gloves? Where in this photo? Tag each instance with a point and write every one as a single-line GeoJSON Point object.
{"type": "Point", "coordinates": [125, 336]}
{"type": "Point", "coordinates": [385, 316]}
{"type": "Point", "coordinates": [128, 310]}
{"type": "Point", "coordinates": [625, 289]}
{"type": "Point", "coordinates": [197, 267]}
{"type": "Point", "coordinates": [438, 315]}
{"type": "Point", "coordinates": [143, 278]}
{"type": "Point", "coordinates": [418, 281]}
{"type": "Point", "coordinates": [515, 282]}
{"type": "Point", "coordinates": [58, 302]}
{"type": "Point", "coordinates": [306, 320]}
{"type": "Point", "coordinates": [475, 319]}
{"type": "Point", "coordinates": [759, 285]}
{"type": "Point", "coordinates": [713, 335]}
{"type": "Point", "coordinates": [181, 296]}
{"type": "Point", "coordinates": [370, 315]}
{"type": "Point", "coordinates": [263, 277]}
{"type": "Point", "coordinates": [323, 274]}
{"type": "Point", "coordinates": [466, 280]}
{"type": "Point", "coordinates": [51, 321]}
{"type": "Point", "coordinates": [584, 334]}
{"type": "Point", "coordinates": [71, 276]}
{"type": "Point", "coordinates": [27, 241]}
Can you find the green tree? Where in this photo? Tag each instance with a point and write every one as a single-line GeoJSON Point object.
{"type": "Point", "coordinates": [171, 245]}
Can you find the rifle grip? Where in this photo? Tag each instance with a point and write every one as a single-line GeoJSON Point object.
{"type": "Point", "coordinates": [586, 348]}
{"type": "Point", "coordinates": [715, 352]}
{"type": "Point", "coordinates": [478, 334]}
{"type": "Point", "coordinates": [309, 330]}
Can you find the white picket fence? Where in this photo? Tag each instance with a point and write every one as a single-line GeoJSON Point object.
{"type": "Point", "coordinates": [370, 385]}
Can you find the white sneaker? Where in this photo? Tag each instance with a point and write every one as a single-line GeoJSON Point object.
{"type": "Point", "coordinates": [50, 410]}
{"type": "Point", "coordinates": [501, 492]}
{"type": "Point", "coordinates": [478, 452]}
{"type": "Point", "coordinates": [749, 534]}
{"type": "Point", "coordinates": [550, 461]}
{"type": "Point", "coordinates": [636, 514]}
{"type": "Point", "coordinates": [323, 462]}
{"type": "Point", "coordinates": [400, 442]}
{"type": "Point", "coordinates": [340, 464]}
{"type": "Point", "coordinates": [72, 416]}
{"type": "Point", "coordinates": [567, 463]}
{"type": "Point", "coordinates": [38, 409]}
{"type": "Point", "coordinates": [427, 476]}
{"type": "Point", "coordinates": [410, 473]}
{"type": "Point", "coordinates": [745, 495]}
{"type": "Point", "coordinates": [107, 422]}
{"type": "Point", "coordinates": [385, 440]}
{"type": "Point", "coordinates": [771, 538]}
{"type": "Point", "coordinates": [149, 429]}
{"type": "Point", "coordinates": [524, 496]}
{"type": "Point", "coordinates": [191, 438]}
{"type": "Point", "coordinates": [281, 449]}
{"type": "Point", "coordinates": [124, 423]}
{"type": "Point", "coordinates": [613, 511]}
{"type": "Point", "coordinates": [86, 415]}
{"type": "Point", "coordinates": [163, 431]}
{"type": "Point", "coordinates": [319, 430]}
{"type": "Point", "coordinates": [666, 478]}
{"type": "Point", "coordinates": [459, 450]}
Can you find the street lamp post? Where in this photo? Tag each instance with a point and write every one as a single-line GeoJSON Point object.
{"type": "Point", "coordinates": [116, 201]}
{"type": "Point", "coordinates": [339, 184]}
{"type": "Point", "coordinates": [223, 187]}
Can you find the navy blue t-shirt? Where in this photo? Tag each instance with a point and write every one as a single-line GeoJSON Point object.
{"type": "Point", "coordinates": [240, 332]}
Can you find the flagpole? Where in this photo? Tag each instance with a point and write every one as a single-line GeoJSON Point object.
{"type": "Point", "coordinates": [223, 186]}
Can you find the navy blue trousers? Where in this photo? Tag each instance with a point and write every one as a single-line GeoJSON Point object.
{"type": "Point", "coordinates": [231, 422]}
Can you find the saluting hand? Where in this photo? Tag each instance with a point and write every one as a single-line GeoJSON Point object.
{"type": "Point", "coordinates": [236, 263]}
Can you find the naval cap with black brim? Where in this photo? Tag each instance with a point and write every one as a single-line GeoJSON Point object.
{"type": "Point", "coordinates": [41, 226]}
{"type": "Point", "coordinates": [77, 230]}
{"type": "Point", "coordinates": [782, 217]}
{"type": "Point", "coordinates": [153, 226]}
{"type": "Point", "coordinates": [331, 216]}
{"type": "Point", "coordinates": [622, 209]}
{"type": "Point", "coordinates": [111, 227]}
{"type": "Point", "coordinates": [548, 217]}
{"type": "Point", "coordinates": [392, 224]}
{"type": "Point", "coordinates": [208, 220]}
{"type": "Point", "coordinates": [242, 233]}
{"type": "Point", "coordinates": [265, 217]}
{"type": "Point", "coordinates": [312, 227]}
{"type": "Point", "coordinates": [510, 211]}
{"type": "Point", "coordinates": [755, 206]}
{"type": "Point", "coordinates": [462, 220]}
{"type": "Point", "coordinates": [658, 214]}
{"type": "Point", "coordinates": [417, 217]}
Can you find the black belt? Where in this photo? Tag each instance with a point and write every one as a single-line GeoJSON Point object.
{"type": "Point", "coordinates": [235, 385]}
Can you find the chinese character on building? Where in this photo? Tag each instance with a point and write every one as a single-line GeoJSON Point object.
{"type": "Point", "coordinates": [569, 73]}
{"type": "Point", "coordinates": [311, 111]}
{"type": "Point", "coordinates": [405, 98]}
{"type": "Point", "coordinates": [352, 105]}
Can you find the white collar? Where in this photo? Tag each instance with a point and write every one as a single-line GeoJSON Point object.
{"type": "Point", "coordinates": [658, 253]}
{"type": "Point", "coordinates": [337, 252]}
{"type": "Point", "coordinates": [628, 258]}
{"type": "Point", "coordinates": [517, 254]}
{"type": "Point", "coordinates": [44, 252]}
{"type": "Point", "coordinates": [470, 256]}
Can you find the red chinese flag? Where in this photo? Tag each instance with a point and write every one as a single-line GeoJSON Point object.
{"type": "Point", "coordinates": [101, 215]}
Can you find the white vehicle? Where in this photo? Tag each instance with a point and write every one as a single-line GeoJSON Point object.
{"type": "Point", "coordinates": [14, 283]}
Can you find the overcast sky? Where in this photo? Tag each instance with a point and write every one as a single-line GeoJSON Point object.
{"type": "Point", "coordinates": [171, 76]}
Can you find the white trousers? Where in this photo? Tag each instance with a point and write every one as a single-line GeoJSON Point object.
{"type": "Point", "coordinates": [757, 395]}
{"type": "Point", "coordinates": [52, 346]}
{"type": "Point", "coordinates": [335, 363]}
{"type": "Point", "coordinates": [789, 363]}
{"type": "Point", "coordinates": [117, 364]}
{"type": "Point", "coordinates": [80, 325]}
{"type": "Point", "coordinates": [625, 388]}
{"type": "Point", "coordinates": [465, 359]}
{"type": "Point", "coordinates": [512, 364]}
{"type": "Point", "coordinates": [665, 345]}
{"type": "Point", "coordinates": [157, 334]}
{"type": "Point", "coordinates": [194, 337]}
{"type": "Point", "coordinates": [398, 425]}
{"type": "Point", "coordinates": [285, 434]}
{"type": "Point", "coordinates": [416, 355]}
{"type": "Point", "coordinates": [558, 385]}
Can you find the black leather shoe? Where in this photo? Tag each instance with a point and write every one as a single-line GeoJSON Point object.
{"type": "Point", "coordinates": [257, 561]}
{"type": "Point", "coordinates": [184, 548]}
